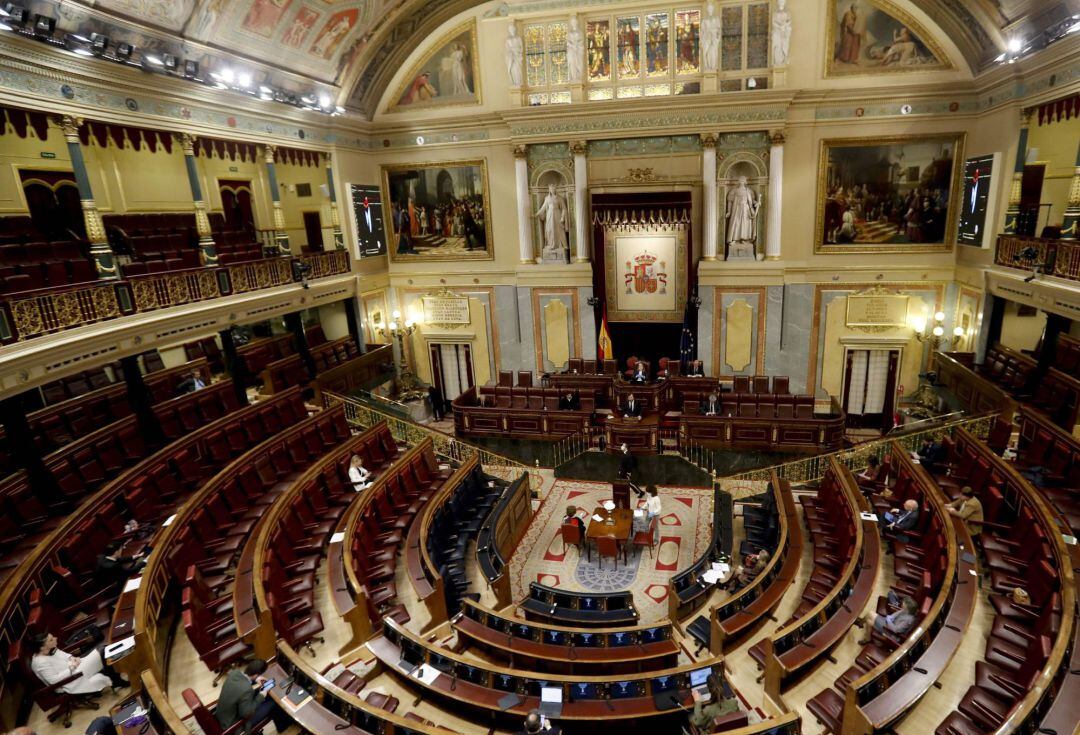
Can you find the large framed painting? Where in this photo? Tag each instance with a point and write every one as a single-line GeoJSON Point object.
{"type": "Point", "coordinates": [876, 37]}
{"type": "Point", "coordinates": [893, 194]}
{"type": "Point", "coordinates": [448, 75]}
{"type": "Point", "coordinates": [438, 211]}
{"type": "Point", "coordinates": [646, 273]}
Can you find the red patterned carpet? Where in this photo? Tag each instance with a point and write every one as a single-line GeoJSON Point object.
{"type": "Point", "coordinates": [684, 535]}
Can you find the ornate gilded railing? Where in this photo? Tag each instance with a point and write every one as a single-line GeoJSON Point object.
{"type": "Point", "coordinates": [1060, 258]}
{"type": "Point", "coordinates": [34, 313]}
{"type": "Point", "coordinates": [813, 468]}
{"type": "Point", "coordinates": [450, 448]}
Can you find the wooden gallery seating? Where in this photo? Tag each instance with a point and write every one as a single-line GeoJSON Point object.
{"type": "Point", "coordinates": [1049, 457]}
{"type": "Point", "coordinates": [519, 412]}
{"type": "Point", "coordinates": [936, 568]}
{"type": "Point", "coordinates": [589, 609]}
{"type": "Point", "coordinates": [686, 590]}
{"type": "Point", "coordinates": [976, 393]}
{"type": "Point", "coordinates": [846, 556]}
{"type": "Point", "coordinates": [500, 534]}
{"type": "Point", "coordinates": [1026, 655]}
{"type": "Point", "coordinates": [54, 587]}
{"type": "Point", "coordinates": [567, 650]}
{"type": "Point", "coordinates": [746, 609]}
{"type": "Point", "coordinates": [201, 544]}
{"type": "Point", "coordinates": [261, 351]}
{"type": "Point", "coordinates": [338, 366]}
{"type": "Point", "coordinates": [769, 421]}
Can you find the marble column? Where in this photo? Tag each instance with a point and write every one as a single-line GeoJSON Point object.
{"type": "Point", "coordinates": [1012, 213]}
{"type": "Point", "coordinates": [708, 176]}
{"type": "Point", "coordinates": [1072, 210]}
{"type": "Point", "coordinates": [776, 187]}
{"type": "Point", "coordinates": [100, 252]}
{"type": "Point", "coordinates": [581, 194]}
{"type": "Point", "coordinates": [207, 247]}
{"type": "Point", "coordinates": [521, 184]}
{"type": "Point", "coordinates": [281, 238]}
{"type": "Point", "coordinates": [335, 217]}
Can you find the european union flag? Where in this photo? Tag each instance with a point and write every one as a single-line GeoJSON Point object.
{"type": "Point", "coordinates": [688, 342]}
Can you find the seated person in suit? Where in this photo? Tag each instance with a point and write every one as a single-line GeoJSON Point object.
{"type": "Point", "coordinates": [573, 517]}
{"type": "Point", "coordinates": [537, 724]}
{"type": "Point", "coordinates": [899, 520]}
{"type": "Point", "coordinates": [897, 623]}
{"type": "Point", "coordinates": [711, 406]}
{"type": "Point", "coordinates": [570, 402]}
{"type": "Point", "coordinates": [931, 454]}
{"type": "Point", "coordinates": [718, 705]}
{"type": "Point", "coordinates": [632, 409]}
{"type": "Point", "coordinates": [969, 508]}
{"type": "Point", "coordinates": [745, 574]}
{"type": "Point", "coordinates": [696, 370]}
{"type": "Point", "coordinates": [640, 374]}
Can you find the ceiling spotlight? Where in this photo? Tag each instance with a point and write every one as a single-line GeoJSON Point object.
{"type": "Point", "coordinates": [191, 68]}
{"type": "Point", "coordinates": [324, 100]}
{"type": "Point", "coordinates": [170, 62]}
{"type": "Point", "coordinates": [265, 89]}
{"type": "Point", "coordinates": [339, 110]}
{"type": "Point", "coordinates": [244, 79]}
{"type": "Point", "coordinates": [228, 75]}
{"type": "Point", "coordinates": [98, 43]}
{"type": "Point", "coordinates": [153, 59]}
{"type": "Point", "coordinates": [308, 99]}
{"type": "Point", "coordinates": [1015, 44]}
{"type": "Point", "coordinates": [124, 51]}
{"type": "Point", "coordinates": [77, 45]}
{"type": "Point", "coordinates": [44, 25]}
{"type": "Point", "coordinates": [16, 14]}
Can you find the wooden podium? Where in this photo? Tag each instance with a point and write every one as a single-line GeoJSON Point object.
{"type": "Point", "coordinates": [620, 493]}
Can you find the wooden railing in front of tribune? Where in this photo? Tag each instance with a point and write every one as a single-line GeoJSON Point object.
{"type": "Point", "coordinates": [1059, 258]}
{"type": "Point", "coordinates": [34, 313]}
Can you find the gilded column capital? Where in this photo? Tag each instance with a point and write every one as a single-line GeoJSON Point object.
{"type": "Point", "coordinates": [268, 153]}
{"type": "Point", "coordinates": [70, 125]}
{"type": "Point", "coordinates": [777, 137]}
{"type": "Point", "coordinates": [708, 140]}
{"type": "Point", "coordinates": [521, 150]}
{"type": "Point", "coordinates": [1025, 116]}
{"type": "Point", "coordinates": [187, 142]}
{"type": "Point", "coordinates": [329, 163]}
{"type": "Point", "coordinates": [579, 147]}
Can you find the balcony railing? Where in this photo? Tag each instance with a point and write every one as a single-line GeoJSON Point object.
{"type": "Point", "coordinates": [32, 314]}
{"type": "Point", "coordinates": [1060, 258]}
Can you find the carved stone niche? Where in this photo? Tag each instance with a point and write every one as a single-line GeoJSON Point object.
{"type": "Point", "coordinates": [729, 171]}
{"type": "Point", "coordinates": [559, 175]}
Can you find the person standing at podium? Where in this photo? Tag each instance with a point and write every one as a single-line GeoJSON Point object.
{"type": "Point", "coordinates": [632, 408]}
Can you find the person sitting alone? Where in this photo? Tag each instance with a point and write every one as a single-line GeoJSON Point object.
{"type": "Point", "coordinates": [536, 723]}
{"type": "Point", "coordinates": [969, 508]}
{"type": "Point", "coordinates": [899, 520]}
{"type": "Point", "coordinates": [746, 574]}
{"type": "Point", "coordinates": [52, 665]}
{"type": "Point", "coordinates": [711, 407]}
{"type": "Point", "coordinates": [242, 700]}
{"type": "Point", "coordinates": [717, 706]}
{"type": "Point", "coordinates": [573, 517]}
{"type": "Point", "coordinates": [872, 478]}
{"type": "Point", "coordinates": [897, 623]}
{"type": "Point", "coordinates": [358, 474]}
{"type": "Point", "coordinates": [931, 455]}
{"type": "Point", "coordinates": [695, 370]}
{"type": "Point", "coordinates": [190, 384]}
{"type": "Point", "coordinates": [569, 402]}
{"type": "Point", "coordinates": [640, 374]}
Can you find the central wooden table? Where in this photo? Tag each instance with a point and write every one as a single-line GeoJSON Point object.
{"type": "Point", "coordinates": [619, 530]}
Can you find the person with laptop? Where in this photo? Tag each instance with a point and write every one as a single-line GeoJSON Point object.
{"type": "Point", "coordinates": [537, 723]}
{"type": "Point", "coordinates": [710, 704]}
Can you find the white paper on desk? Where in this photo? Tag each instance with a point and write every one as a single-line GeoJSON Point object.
{"type": "Point", "coordinates": [597, 517]}
{"type": "Point", "coordinates": [868, 516]}
{"type": "Point", "coordinates": [426, 674]}
{"type": "Point", "coordinates": [115, 649]}
{"type": "Point", "coordinates": [711, 576]}
{"type": "Point", "coordinates": [721, 567]}
{"type": "Point", "coordinates": [638, 513]}
{"type": "Point", "coordinates": [338, 537]}
{"type": "Point", "coordinates": [168, 520]}
{"type": "Point", "coordinates": [133, 584]}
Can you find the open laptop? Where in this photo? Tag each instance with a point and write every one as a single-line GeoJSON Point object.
{"type": "Point", "coordinates": [698, 678]}
{"type": "Point", "coordinates": [551, 701]}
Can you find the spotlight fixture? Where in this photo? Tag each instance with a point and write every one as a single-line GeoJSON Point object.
{"type": "Point", "coordinates": [16, 14]}
{"type": "Point", "coordinates": [244, 79]}
{"type": "Point", "coordinates": [124, 51]}
{"type": "Point", "coordinates": [153, 59]}
{"type": "Point", "coordinates": [191, 69]}
{"type": "Point", "coordinates": [324, 101]}
{"type": "Point", "coordinates": [1015, 44]}
{"type": "Point", "coordinates": [99, 44]}
{"type": "Point", "coordinates": [77, 45]}
{"type": "Point", "coordinates": [308, 99]}
{"type": "Point", "coordinates": [170, 62]}
{"type": "Point", "coordinates": [44, 25]}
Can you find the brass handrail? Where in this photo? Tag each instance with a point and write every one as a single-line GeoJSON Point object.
{"type": "Point", "coordinates": [448, 447]}
{"type": "Point", "coordinates": [813, 468]}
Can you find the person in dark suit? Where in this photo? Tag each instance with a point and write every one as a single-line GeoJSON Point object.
{"type": "Point", "coordinates": [438, 408]}
{"type": "Point", "coordinates": [632, 409]}
{"type": "Point", "coordinates": [899, 520]}
{"type": "Point", "coordinates": [537, 724]}
{"type": "Point", "coordinates": [570, 402]}
{"type": "Point", "coordinates": [931, 455]}
{"type": "Point", "coordinates": [640, 374]}
{"type": "Point", "coordinates": [627, 463]}
{"type": "Point", "coordinates": [695, 370]}
{"type": "Point", "coordinates": [711, 407]}
{"type": "Point", "coordinates": [242, 700]}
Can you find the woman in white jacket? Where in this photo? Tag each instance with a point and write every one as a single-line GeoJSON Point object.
{"type": "Point", "coordinates": [52, 665]}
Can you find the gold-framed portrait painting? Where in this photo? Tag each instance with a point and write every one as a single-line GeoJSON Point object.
{"type": "Point", "coordinates": [894, 194]}
{"type": "Point", "coordinates": [438, 211]}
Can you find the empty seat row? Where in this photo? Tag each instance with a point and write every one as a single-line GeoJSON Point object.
{"type": "Point", "coordinates": [292, 370]}
{"type": "Point", "coordinates": [755, 405]}
{"type": "Point", "coordinates": [534, 399]}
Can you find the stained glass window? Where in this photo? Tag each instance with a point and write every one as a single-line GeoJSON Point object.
{"type": "Point", "coordinates": [757, 36]}
{"type": "Point", "coordinates": [687, 41]}
{"type": "Point", "coordinates": [535, 58]}
{"type": "Point", "coordinates": [629, 47]}
{"type": "Point", "coordinates": [656, 45]}
{"type": "Point", "coordinates": [731, 39]}
{"type": "Point", "coordinates": [599, 34]}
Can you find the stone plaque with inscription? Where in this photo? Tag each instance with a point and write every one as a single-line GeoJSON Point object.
{"type": "Point", "coordinates": [877, 310]}
{"type": "Point", "coordinates": [446, 310]}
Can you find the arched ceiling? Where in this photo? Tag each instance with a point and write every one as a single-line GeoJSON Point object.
{"type": "Point", "coordinates": [357, 45]}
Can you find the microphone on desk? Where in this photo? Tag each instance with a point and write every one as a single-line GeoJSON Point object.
{"type": "Point", "coordinates": [453, 681]}
{"type": "Point", "coordinates": [571, 653]}
{"type": "Point", "coordinates": [675, 701]}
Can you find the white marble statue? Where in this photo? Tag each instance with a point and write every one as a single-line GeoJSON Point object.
{"type": "Point", "coordinates": [575, 52]}
{"type": "Point", "coordinates": [514, 49]}
{"type": "Point", "coordinates": [552, 216]}
{"type": "Point", "coordinates": [742, 209]}
{"type": "Point", "coordinates": [710, 39]}
{"type": "Point", "coordinates": [781, 34]}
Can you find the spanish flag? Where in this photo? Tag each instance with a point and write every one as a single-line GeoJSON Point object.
{"type": "Point", "coordinates": [604, 350]}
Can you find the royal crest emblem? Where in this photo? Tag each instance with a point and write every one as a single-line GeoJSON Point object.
{"type": "Point", "coordinates": [645, 274]}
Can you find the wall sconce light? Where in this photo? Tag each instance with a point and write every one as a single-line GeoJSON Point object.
{"type": "Point", "coordinates": [932, 333]}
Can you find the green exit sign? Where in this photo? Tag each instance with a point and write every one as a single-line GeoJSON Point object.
{"type": "Point", "coordinates": [48, 154]}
